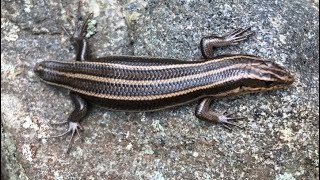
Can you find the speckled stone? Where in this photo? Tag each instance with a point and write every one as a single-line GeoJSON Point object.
{"type": "Point", "coordinates": [281, 136]}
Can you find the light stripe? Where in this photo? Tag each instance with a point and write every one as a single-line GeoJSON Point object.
{"type": "Point", "coordinates": [83, 50]}
{"type": "Point", "coordinates": [258, 69]}
{"type": "Point", "coordinates": [151, 68]}
{"type": "Point", "coordinates": [146, 98]}
{"type": "Point", "coordinates": [149, 82]}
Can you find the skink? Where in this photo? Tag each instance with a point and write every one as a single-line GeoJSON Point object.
{"type": "Point", "coordinates": [130, 83]}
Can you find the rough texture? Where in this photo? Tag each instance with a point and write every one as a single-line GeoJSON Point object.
{"type": "Point", "coordinates": [281, 138]}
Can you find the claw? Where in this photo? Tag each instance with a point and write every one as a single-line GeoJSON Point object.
{"type": "Point", "coordinates": [73, 127]}
{"type": "Point", "coordinates": [59, 135]}
{"type": "Point", "coordinates": [243, 37]}
{"type": "Point", "coordinates": [58, 123]}
{"type": "Point", "coordinates": [227, 127]}
{"type": "Point", "coordinates": [71, 140]}
{"type": "Point", "coordinates": [244, 30]}
{"type": "Point", "coordinates": [238, 35]}
{"type": "Point", "coordinates": [225, 121]}
{"type": "Point", "coordinates": [236, 41]}
{"type": "Point", "coordinates": [223, 111]}
{"type": "Point", "coordinates": [66, 31]}
{"type": "Point", "coordinates": [230, 114]}
{"type": "Point", "coordinates": [233, 33]}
